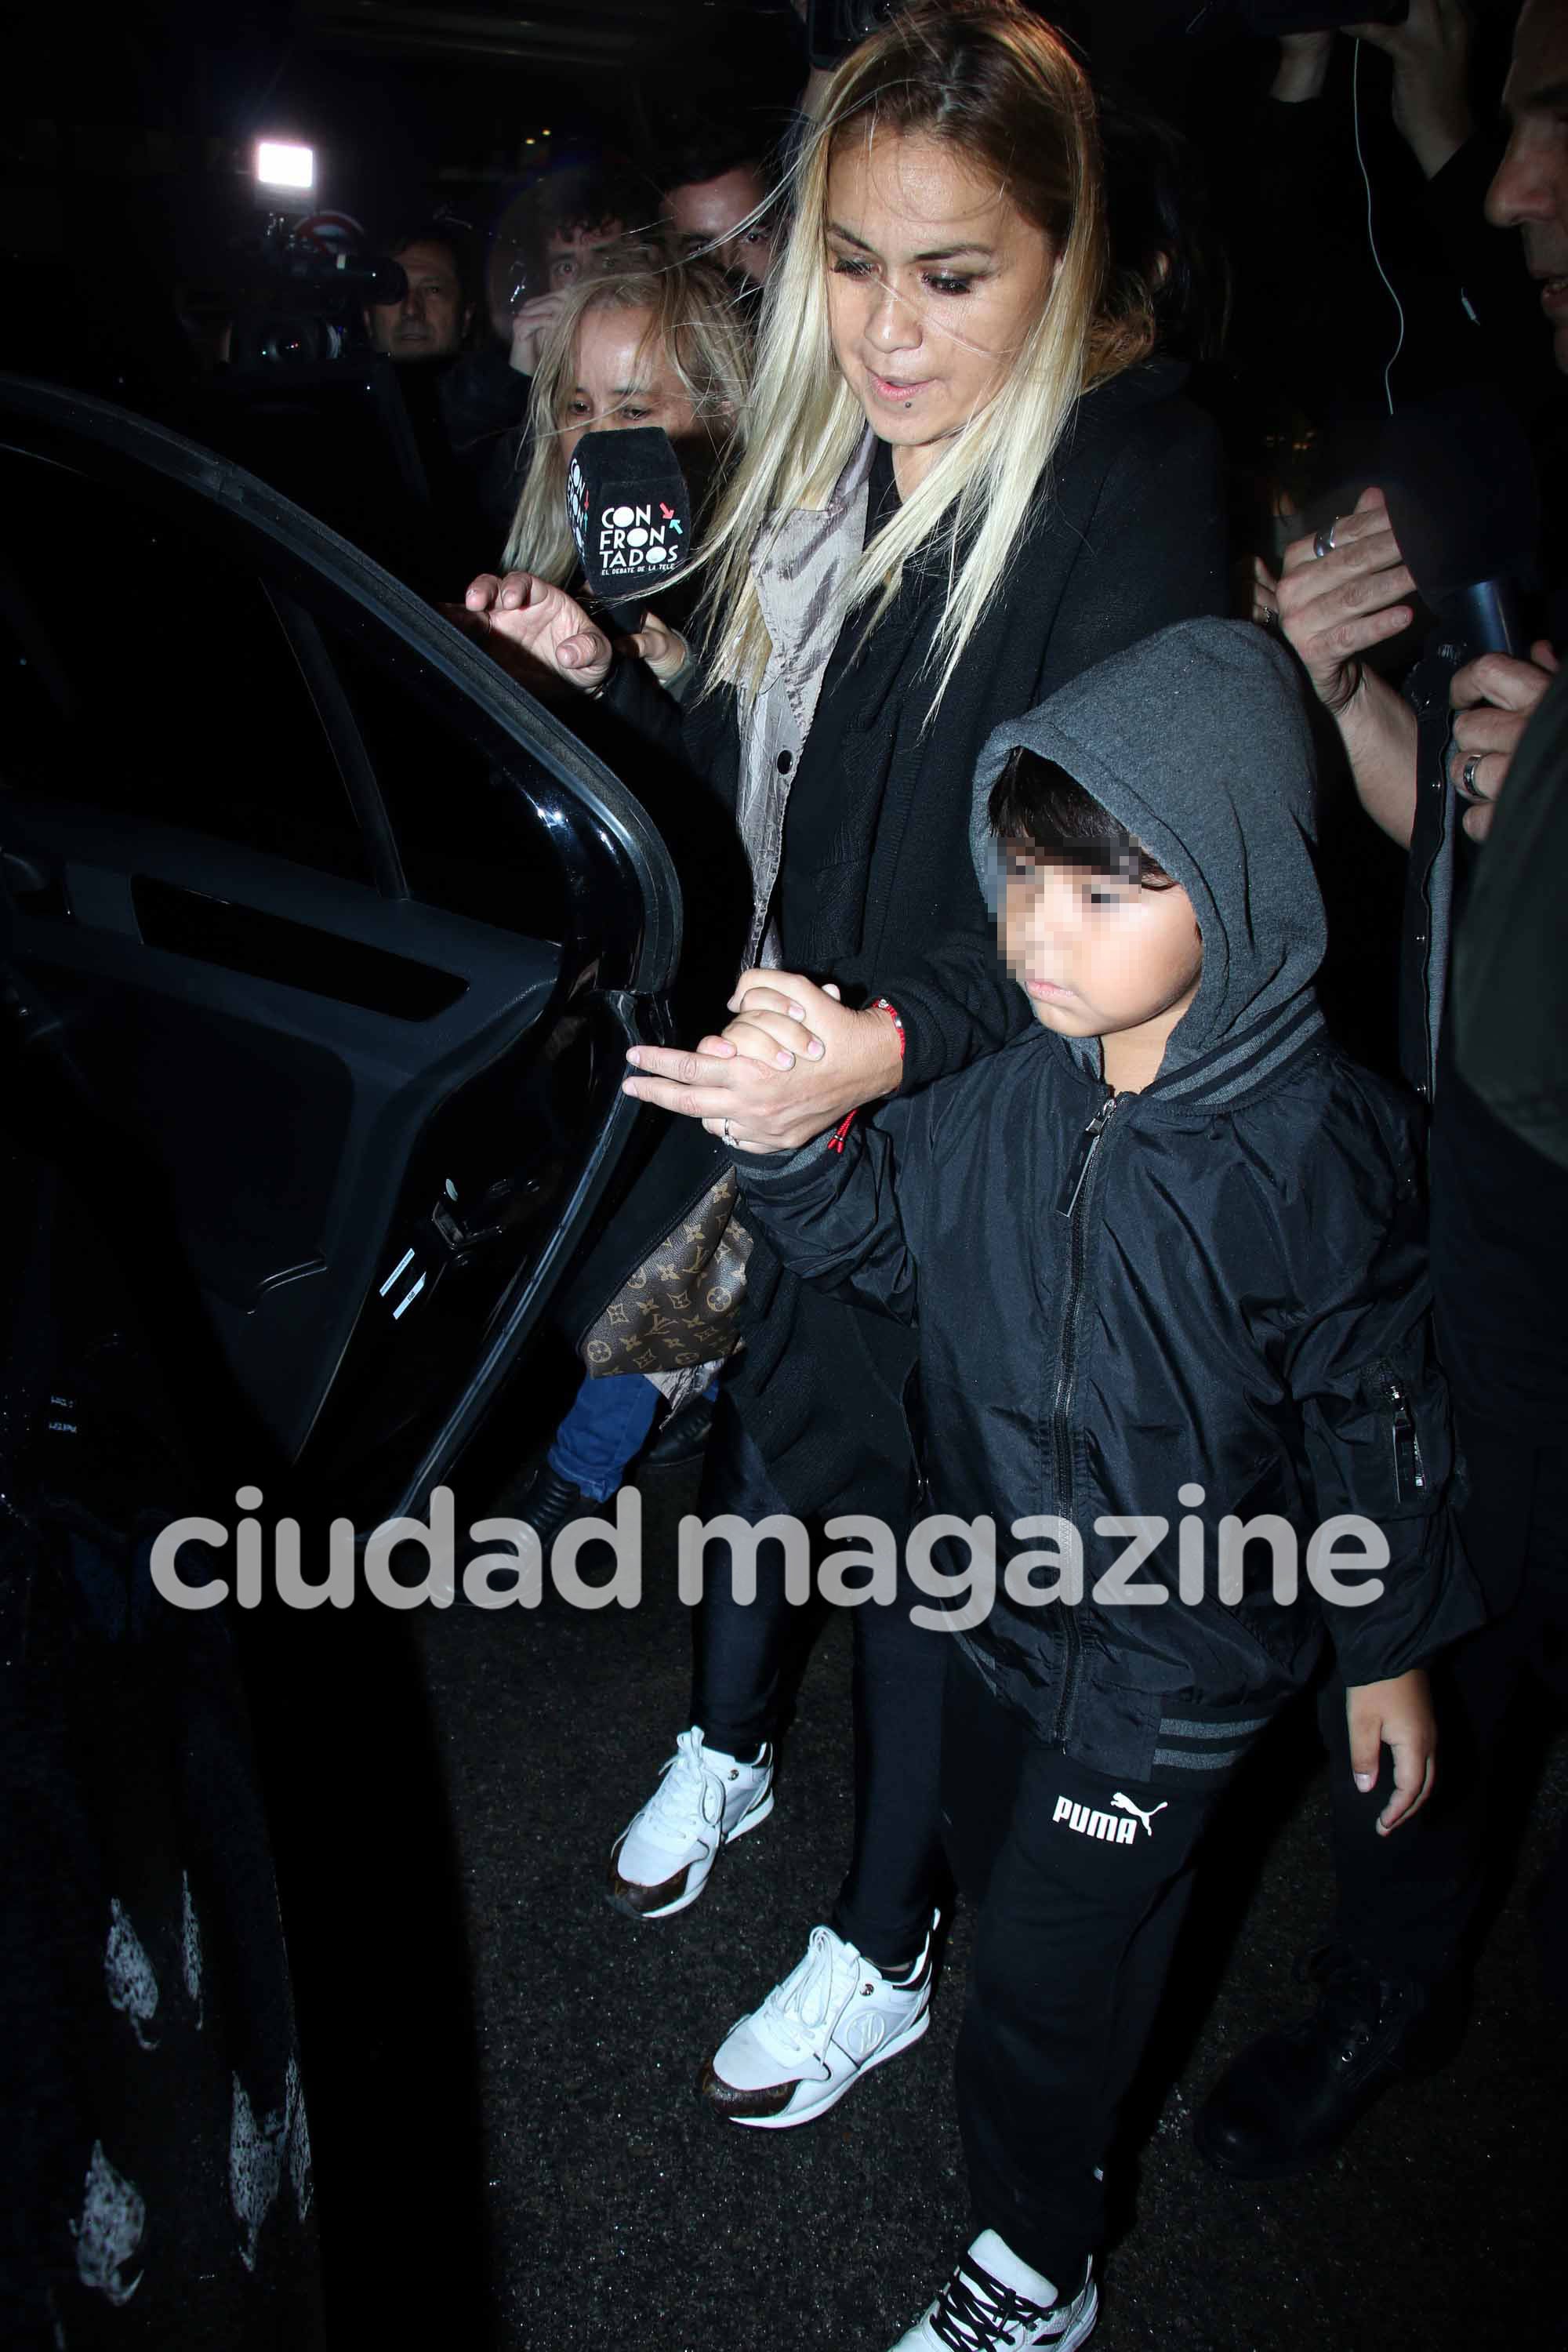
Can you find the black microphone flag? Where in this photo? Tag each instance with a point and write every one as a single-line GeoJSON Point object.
{"type": "Point", "coordinates": [630, 511]}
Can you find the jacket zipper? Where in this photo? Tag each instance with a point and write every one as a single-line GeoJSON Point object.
{"type": "Point", "coordinates": [1075, 1207]}
{"type": "Point", "coordinates": [1409, 1472]}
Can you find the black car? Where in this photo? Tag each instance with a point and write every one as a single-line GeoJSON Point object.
{"type": "Point", "coordinates": [321, 945]}
{"type": "Point", "coordinates": [343, 933]}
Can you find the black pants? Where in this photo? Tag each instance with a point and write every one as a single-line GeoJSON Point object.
{"type": "Point", "coordinates": [1081, 1899]}
{"type": "Point", "coordinates": [744, 1654]}
{"type": "Point", "coordinates": [1408, 1902]}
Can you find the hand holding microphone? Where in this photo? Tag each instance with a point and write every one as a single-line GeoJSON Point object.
{"type": "Point", "coordinates": [653, 641]}
{"type": "Point", "coordinates": [630, 514]}
{"type": "Point", "coordinates": [1494, 697]}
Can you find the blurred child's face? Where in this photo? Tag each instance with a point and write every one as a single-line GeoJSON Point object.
{"type": "Point", "coordinates": [1098, 955]}
{"type": "Point", "coordinates": [623, 379]}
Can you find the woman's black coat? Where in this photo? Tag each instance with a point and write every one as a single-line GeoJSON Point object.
{"type": "Point", "coordinates": [1129, 537]}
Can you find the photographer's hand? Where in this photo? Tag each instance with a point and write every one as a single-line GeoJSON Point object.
{"type": "Point", "coordinates": [1495, 697]}
{"type": "Point", "coordinates": [1431, 52]}
{"type": "Point", "coordinates": [1303, 67]}
{"type": "Point", "coordinates": [1335, 607]}
{"type": "Point", "coordinates": [530, 329]}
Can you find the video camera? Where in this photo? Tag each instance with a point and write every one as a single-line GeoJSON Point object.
{"type": "Point", "coordinates": [303, 284]}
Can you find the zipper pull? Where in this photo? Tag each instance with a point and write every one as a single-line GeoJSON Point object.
{"type": "Point", "coordinates": [1072, 1184]}
{"type": "Point", "coordinates": [1408, 1471]}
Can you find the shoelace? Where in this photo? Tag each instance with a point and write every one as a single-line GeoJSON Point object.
{"type": "Point", "coordinates": [803, 2010]}
{"type": "Point", "coordinates": [687, 1795]}
{"type": "Point", "coordinates": [975, 2308]}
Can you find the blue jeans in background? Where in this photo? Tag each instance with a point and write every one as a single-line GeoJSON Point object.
{"type": "Point", "coordinates": [608, 1424]}
{"type": "Point", "coordinates": [609, 1420]}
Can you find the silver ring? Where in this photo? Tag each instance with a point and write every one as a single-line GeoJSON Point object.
{"type": "Point", "coordinates": [1323, 542]}
{"type": "Point", "coordinates": [724, 1130]}
{"type": "Point", "coordinates": [1468, 778]}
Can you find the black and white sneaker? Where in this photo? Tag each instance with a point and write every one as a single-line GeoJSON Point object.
{"type": "Point", "coordinates": [991, 2304]}
{"type": "Point", "coordinates": [830, 2020]}
{"type": "Point", "coordinates": [660, 1862]}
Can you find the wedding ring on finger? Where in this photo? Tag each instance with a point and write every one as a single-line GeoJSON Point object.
{"type": "Point", "coordinates": [1323, 542]}
{"type": "Point", "coordinates": [725, 1132]}
{"type": "Point", "coordinates": [1467, 787]}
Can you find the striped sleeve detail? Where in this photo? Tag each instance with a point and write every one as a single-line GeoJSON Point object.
{"type": "Point", "coordinates": [1172, 1727]}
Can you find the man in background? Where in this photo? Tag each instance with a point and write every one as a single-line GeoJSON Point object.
{"type": "Point", "coordinates": [716, 203]}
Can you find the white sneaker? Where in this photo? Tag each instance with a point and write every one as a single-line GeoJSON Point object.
{"type": "Point", "coordinates": [990, 2304]}
{"type": "Point", "coordinates": [661, 1860]}
{"type": "Point", "coordinates": [831, 2020]}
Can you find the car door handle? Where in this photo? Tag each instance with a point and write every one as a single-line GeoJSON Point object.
{"type": "Point", "coordinates": [450, 1238]}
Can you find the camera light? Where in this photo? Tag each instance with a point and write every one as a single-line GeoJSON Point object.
{"type": "Point", "coordinates": [280, 164]}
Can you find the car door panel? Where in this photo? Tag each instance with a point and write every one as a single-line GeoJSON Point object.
{"type": "Point", "coordinates": [374, 1110]}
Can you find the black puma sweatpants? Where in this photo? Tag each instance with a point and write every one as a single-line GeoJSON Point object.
{"type": "Point", "coordinates": [1082, 1883]}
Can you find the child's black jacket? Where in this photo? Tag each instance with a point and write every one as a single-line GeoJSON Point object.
{"type": "Point", "coordinates": [1219, 1283]}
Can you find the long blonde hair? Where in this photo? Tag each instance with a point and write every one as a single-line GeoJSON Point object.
{"type": "Point", "coordinates": [989, 77]}
{"type": "Point", "coordinates": [693, 320]}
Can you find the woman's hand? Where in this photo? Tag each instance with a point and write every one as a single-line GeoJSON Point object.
{"type": "Point", "coordinates": [1396, 1715]}
{"type": "Point", "coordinates": [1332, 607]}
{"type": "Point", "coordinates": [663, 649]}
{"type": "Point", "coordinates": [545, 624]}
{"type": "Point", "coordinates": [762, 1085]}
{"type": "Point", "coordinates": [1495, 697]}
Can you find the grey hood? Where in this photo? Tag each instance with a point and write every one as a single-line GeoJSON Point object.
{"type": "Point", "coordinates": [1197, 741]}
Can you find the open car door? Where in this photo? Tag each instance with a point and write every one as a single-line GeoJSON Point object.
{"type": "Point", "coordinates": [341, 935]}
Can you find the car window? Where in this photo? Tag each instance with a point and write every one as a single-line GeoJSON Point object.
{"type": "Point", "coordinates": [144, 671]}
{"type": "Point", "coordinates": [462, 797]}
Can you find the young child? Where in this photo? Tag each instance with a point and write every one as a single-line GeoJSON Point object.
{"type": "Point", "coordinates": [1165, 1254]}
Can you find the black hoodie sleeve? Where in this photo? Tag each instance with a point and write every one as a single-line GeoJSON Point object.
{"type": "Point", "coordinates": [837, 1217]}
{"type": "Point", "coordinates": [1375, 1412]}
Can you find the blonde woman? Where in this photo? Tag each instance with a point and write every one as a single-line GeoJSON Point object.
{"type": "Point", "coordinates": [638, 344]}
{"type": "Point", "coordinates": [964, 480]}
{"type": "Point", "coordinates": [635, 345]}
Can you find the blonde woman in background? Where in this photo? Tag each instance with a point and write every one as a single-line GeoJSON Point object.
{"type": "Point", "coordinates": [634, 345]}
{"type": "Point", "coordinates": [639, 344]}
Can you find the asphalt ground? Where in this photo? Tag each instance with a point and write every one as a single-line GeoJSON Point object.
{"type": "Point", "coordinates": [508, 2145]}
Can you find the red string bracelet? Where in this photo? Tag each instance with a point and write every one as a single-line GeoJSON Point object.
{"type": "Point", "coordinates": [836, 1141]}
